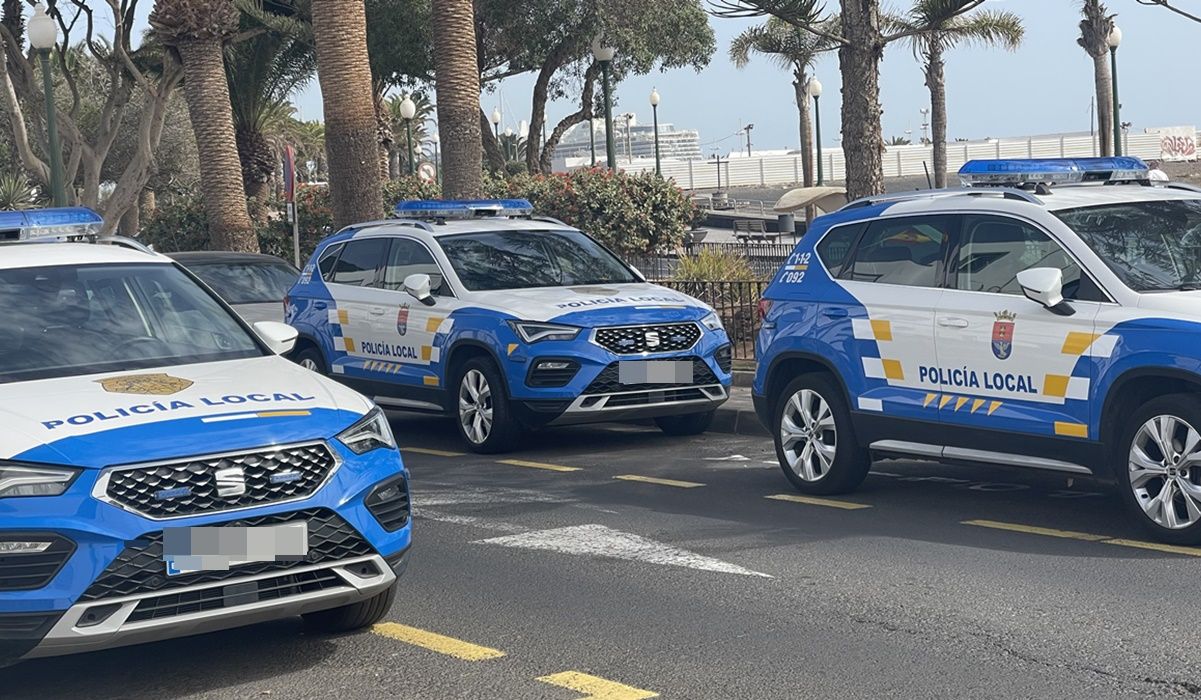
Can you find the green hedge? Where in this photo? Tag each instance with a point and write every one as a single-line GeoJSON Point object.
{"type": "Point", "coordinates": [632, 214]}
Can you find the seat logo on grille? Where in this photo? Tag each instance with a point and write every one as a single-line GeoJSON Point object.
{"type": "Point", "coordinates": [231, 482]}
{"type": "Point", "coordinates": [652, 339]}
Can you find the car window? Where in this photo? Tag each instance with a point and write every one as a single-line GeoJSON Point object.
{"type": "Point", "coordinates": [835, 246]}
{"type": "Point", "coordinates": [326, 265]}
{"type": "Point", "coordinates": [408, 257]}
{"type": "Point", "coordinates": [906, 251]}
{"type": "Point", "coordinates": [359, 263]}
{"type": "Point", "coordinates": [251, 282]}
{"type": "Point", "coordinates": [524, 259]}
{"type": "Point", "coordinates": [994, 249]}
{"type": "Point", "coordinates": [85, 319]}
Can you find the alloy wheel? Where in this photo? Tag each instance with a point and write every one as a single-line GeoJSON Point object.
{"type": "Point", "coordinates": [310, 364]}
{"type": "Point", "coordinates": [475, 406]}
{"type": "Point", "coordinates": [808, 435]}
{"type": "Point", "coordinates": [1165, 471]}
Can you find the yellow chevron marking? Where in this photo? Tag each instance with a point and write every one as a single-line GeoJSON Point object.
{"type": "Point", "coordinates": [512, 347]}
{"type": "Point", "coordinates": [946, 399]}
{"type": "Point", "coordinates": [929, 398]}
{"type": "Point", "coordinates": [348, 343]}
{"type": "Point", "coordinates": [893, 370]}
{"type": "Point", "coordinates": [1071, 429]}
{"type": "Point", "coordinates": [977, 404]}
{"type": "Point", "coordinates": [959, 402]}
{"type": "Point", "coordinates": [1077, 342]}
{"type": "Point", "coordinates": [882, 330]}
{"type": "Point", "coordinates": [1056, 385]}
{"type": "Point", "coordinates": [992, 407]}
{"type": "Point", "coordinates": [432, 323]}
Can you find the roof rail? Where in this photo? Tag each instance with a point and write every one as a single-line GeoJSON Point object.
{"type": "Point", "coordinates": [126, 242]}
{"type": "Point", "coordinates": [1006, 192]}
{"type": "Point", "coordinates": [412, 223]}
{"type": "Point", "coordinates": [549, 220]}
{"type": "Point", "coordinates": [1178, 186]}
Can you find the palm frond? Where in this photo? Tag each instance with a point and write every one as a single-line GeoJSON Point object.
{"type": "Point", "coordinates": [1095, 27]}
{"type": "Point", "coordinates": [1000, 28]}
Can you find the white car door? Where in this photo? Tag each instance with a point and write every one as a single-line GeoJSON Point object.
{"type": "Point", "coordinates": [357, 310]}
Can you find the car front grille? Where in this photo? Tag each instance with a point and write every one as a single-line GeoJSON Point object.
{"type": "Point", "coordinates": [23, 572]}
{"type": "Point", "coordinates": [220, 482]}
{"type": "Point", "coordinates": [635, 340]}
{"type": "Point", "coordinates": [609, 381]}
{"type": "Point", "coordinates": [140, 567]}
{"type": "Point", "coordinates": [645, 398]}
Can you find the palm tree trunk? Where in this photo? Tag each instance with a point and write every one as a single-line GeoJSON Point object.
{"type": "Point", "coordinates": [12, 16]}
{"type": "Point", "coordinates": [206, 91]}
{"type": "Point", "coordinates": [458, 93]}
{"type": "Point", "coordinates": [387, 138]}
{"type": "Point", "coordinates": [936, 80]}
{"type": "Point", "coordinates": [1104, 83]}
{"type": "Point", "coordinates": [351, 137]}
{"type": "Point", "coordinates": [800, 86]}
{"type": "Point", "coordinates": [859, 62]}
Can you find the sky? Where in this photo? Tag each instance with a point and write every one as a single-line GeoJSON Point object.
{"type": "Point", "coordinates": [1044, 87]}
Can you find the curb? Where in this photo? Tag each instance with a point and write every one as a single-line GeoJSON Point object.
{"type": "Point", "coordinates": [737, 421]}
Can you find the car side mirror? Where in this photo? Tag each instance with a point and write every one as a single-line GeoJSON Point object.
{"type": "Point", "coordinates": [1044, 285]}
{"type": "Point", "coordinates": [280, 337]}
{"type": "Point", "coordinates": [418, 287]}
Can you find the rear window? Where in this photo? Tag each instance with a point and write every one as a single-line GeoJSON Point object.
{"type": "Point", "coordinates": [359, 264]}
{"type": "Point", "coordinates": [251, 282]}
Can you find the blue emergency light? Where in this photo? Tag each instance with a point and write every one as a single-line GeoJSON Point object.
{"type": "Point", "coordinates": [462, 208]}
{"type": "Point", "coordinates": [64, 222]}
{"type": "Point", "coordinates": [1053, 171]}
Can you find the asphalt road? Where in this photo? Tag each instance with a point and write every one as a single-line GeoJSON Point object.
{"type": "Point", "coordinates": [530, 579]}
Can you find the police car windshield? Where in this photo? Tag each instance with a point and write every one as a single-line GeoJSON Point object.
{"type": "Point", "coordinates": [524, 259]}
{"type": "Point", "coordinates": [86, 319]}
{"type": "Point", "coordinates": [1151, 246]}
{"type": "Point", "coordinates": [247, 282]}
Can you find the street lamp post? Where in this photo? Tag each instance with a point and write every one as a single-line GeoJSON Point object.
{"type": "Point", "coordinates": [925, 112]}
{"type": "Point", "coordinates": [437, 159]}
{"type": "Point", "coordinates": [604, 55]}
{"type": "Point", "coordinates": [1115, 38]}
{"type": "Point", "coordinates": [408, 110]}
{"type": "Point", "coordinates": [747, 130]}
{"type": "Point", "coordinates": [815, 91]}
{"type": "Point", "coordinates": [655, 113]}
{"type": "Point", "coordinates": [629, 117]}
{"type": "Point", "coordinates": [496, 124]}
{"type": "Point", "coordinates": [509, 145]}
{"type": "Point", "coordinates": [592, 138]}
{"type": "Point", "coordinates": [43, 35]}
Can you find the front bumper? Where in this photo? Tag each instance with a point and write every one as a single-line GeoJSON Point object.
{"type": "Point", "coordinates": [114, 591]}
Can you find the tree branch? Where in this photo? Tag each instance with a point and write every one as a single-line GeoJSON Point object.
{"type": "Point", "coordinates": [32, 163]}
{"type": "Point", "coordinates": [915, 31]}
{"type": "Point", "coordinates": [1167, 5]}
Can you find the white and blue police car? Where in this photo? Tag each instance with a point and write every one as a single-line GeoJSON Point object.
{"type": "Point", "coordinates": [163, 471]}
{"type": "Point", "coordinates": [1046, 315]}
{"type": "Point", "coordinates": [505, 320]}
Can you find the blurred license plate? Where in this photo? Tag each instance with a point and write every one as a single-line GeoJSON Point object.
{"type": "Point", "coordinates": [190, 549]}
{"type": "Point", "coordinates": [655, 371]}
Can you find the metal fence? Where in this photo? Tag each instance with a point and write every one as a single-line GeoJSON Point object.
{"type": "Point", "coordinates": [737, 303]}
{"type": "Point", "coordinates": [764, 258]}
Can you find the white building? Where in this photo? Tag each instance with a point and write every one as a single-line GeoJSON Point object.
{"type": "Point", "coordinates": [632, 141]}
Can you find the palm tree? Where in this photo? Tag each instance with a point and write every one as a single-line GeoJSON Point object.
{"type": "Point", "coordinates": [898, 141]}
{"type": "Point", "coordinates": [352, 146]}
{"type": "Point", "coordinates": [942, 33]}
{"type": "Point", "coordinates": [263, 72]}
{"type": "Point", "coordinates": [793, 49]}
{"type": "Point", "coordinates": [1094, 39]}
{"type": "Point", "coordinates": [458, 94]}
{"type": "Point", "coordinates": [399, 151]}
{"type": "Point", "coordinates": [198, 30]}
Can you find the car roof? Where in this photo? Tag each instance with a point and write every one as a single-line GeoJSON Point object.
{"type": "Point", "coordinates": [192, 257]}
{"type": "Point", "coordinates": [24, 255]}
{"type": "Point", "coordinates": [1075, 197]}
{"type": "Point", "coordinates": [450, 227]}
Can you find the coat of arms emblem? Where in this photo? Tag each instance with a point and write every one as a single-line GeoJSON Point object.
{"type": "Point", "coordinates": [145, 384]}
{"type": "Point", "coordinates": [1002, 334]}
{"type": "Point", "coordinates": [402, 320]}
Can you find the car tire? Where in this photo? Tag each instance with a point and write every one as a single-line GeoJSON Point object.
{"type": "Point", "coordinates": [1143, 471]}
{"type": "Point", "coordinates": [354, 616]}
{"type": "Point", "coordinates": [481, 408]}
{"type": "Point", "coordinates": [815, 440]}
{"type": "Point", "coordinates": [689, 424]}
{"type": "Point", "coordinates": [310, 358]}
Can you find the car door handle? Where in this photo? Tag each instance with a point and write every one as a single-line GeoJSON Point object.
{"type": "Point", "coordinates": [952, 322]}
{"type": "Point", "coordinates": [319, 305]}
{"type": "Point", "coordinates": [377, 311]}
{"type": "Point", "coordinates": [835, 312]}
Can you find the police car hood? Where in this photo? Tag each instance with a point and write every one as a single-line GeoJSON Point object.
{"type": "Point", "coordinates": [600, 305]}
{"type": "Point", "coordinates": [99, 420]}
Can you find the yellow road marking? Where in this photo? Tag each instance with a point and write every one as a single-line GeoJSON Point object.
{"type": "Point", "coordinates": [882, 329]}
{"type": "Point", "coordinates": [1071, 429]}
{"type": "Point", "coordinates": [429, 451]}
{"type": "Point", "coordinates": [810, 500]}
{"type": "Point", "coordinates": [436, 642]}
{"type": "Point", "coordinates": [1033, 530]}
{"type": "Point", "coordinates": [893, 369]}
{"type": "Point", "coordinates": [538, 465]}
{"type": "Point", "coordinates": [1085, 536]}
{"type": "Point", "coordinates": [661, 482]}
{"type": "Point", "coordinates": [1076, 342]}
{"type": "Point", "coordinates": [597, 688]}
{"type": "Point", "coordinates": [1171, 549]}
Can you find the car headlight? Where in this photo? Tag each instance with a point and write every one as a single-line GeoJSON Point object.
{"type": "Point", "coordinates": [370, 432]}
{"type": "Point", "coordinates": [21, 480]}
{"type": "Point", "coordinates": [712, 322]}
{"type": "Point", "coordinates": [532, 331]}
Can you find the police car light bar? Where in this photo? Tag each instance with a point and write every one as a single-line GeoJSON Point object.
{"type": "Point", "coordinates": [1053, 171]}
{"type": "Point", "coordinates": [38, 224]}
{"type": "Point", "coordinates": [462, 208]}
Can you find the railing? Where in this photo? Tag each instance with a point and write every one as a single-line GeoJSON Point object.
{"type": "Point", "coordinates": [737, 303]}
{"type": "Point", "coordinates": [764, 258]}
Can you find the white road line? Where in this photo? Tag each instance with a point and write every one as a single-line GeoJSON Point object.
{"type": "Point", "coordinates": [600, 541]}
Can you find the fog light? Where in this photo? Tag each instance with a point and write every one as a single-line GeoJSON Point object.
{"type": "Point", "coordinates": [23, 547]}
{"type": "Point", "coordinates": [553, 365]}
